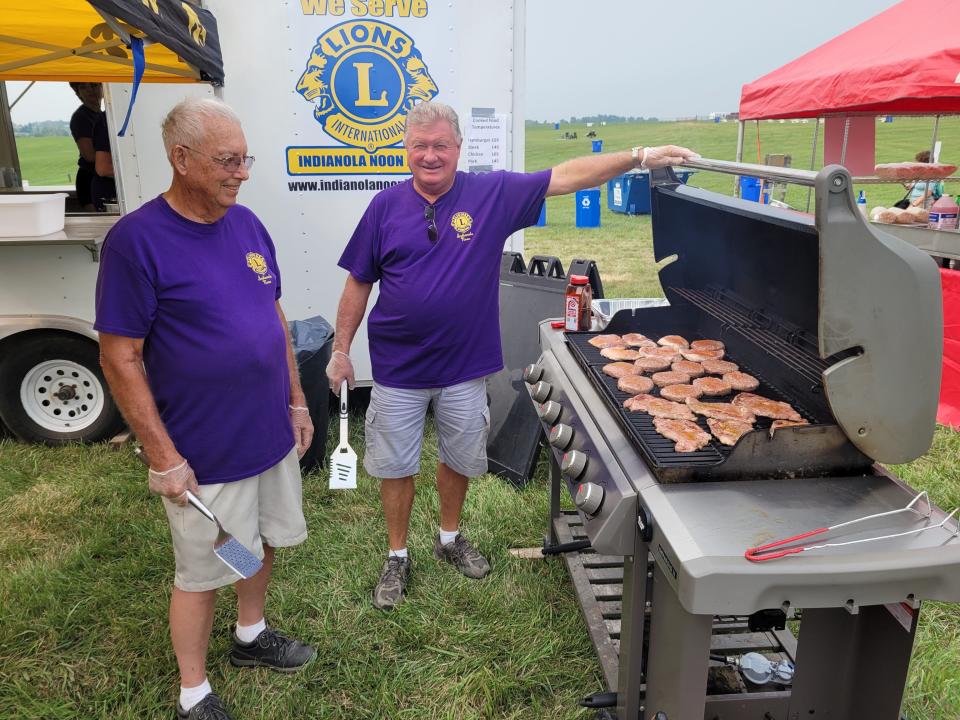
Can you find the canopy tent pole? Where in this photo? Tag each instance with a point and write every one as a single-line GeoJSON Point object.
{"type": "Point", "coordinates": [736, 180]}
{"type": "Point", "coordinates": [933, 141]}
{"type": "Point", "coordinates": [32, 83]}
{"type": "Point", "coordinates": [843, 147]}
{"type": "Point", "coordinates": [813, 157]}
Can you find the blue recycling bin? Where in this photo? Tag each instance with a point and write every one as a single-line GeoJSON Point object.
{"type": "Point", "coordinates": [556, 126]}
{"type": "Point", "coordinates": [588, 208]}
{"type": "Point", "coordinates": [750, 190]}
{"type": "Point", "coordinates": [630, 193]}
{"type": "Point", "coordinates": [597, 145]}
{"type": "Point", "coordinates": [542, 220]}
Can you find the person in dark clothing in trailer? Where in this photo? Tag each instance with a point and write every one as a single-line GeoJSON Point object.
{"type": "Point", "coordinates": [82, 123]}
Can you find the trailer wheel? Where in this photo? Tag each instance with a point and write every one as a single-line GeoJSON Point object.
{"type": "Point", "coordinates": [53, 391]}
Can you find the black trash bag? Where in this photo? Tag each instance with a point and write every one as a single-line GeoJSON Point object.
{"type": "Point", "coordinates": [312, 341]}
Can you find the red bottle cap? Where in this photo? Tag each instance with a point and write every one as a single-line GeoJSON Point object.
{"type": "Point", "coordinates": [579, 279]}
{"type": "Point", "coordinates": [556, 324]}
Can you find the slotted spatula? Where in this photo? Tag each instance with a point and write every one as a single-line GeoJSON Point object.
{"type": "Point", "coordinates": [343, 461]}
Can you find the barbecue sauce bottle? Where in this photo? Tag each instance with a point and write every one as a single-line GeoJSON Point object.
{"type": "Point", "coordinates": [577, 302]}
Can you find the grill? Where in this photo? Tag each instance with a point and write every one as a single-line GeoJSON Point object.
{"type": "Point", "coordinates": [833, 317]}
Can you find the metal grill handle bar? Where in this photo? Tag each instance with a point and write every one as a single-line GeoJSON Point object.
{"type": "Point", "coordinates": [766, 172]}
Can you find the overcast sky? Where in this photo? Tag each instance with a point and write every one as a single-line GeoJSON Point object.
{"type": "Point", "coordinates": [663, 59]}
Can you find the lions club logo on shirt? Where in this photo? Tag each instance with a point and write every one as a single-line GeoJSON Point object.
{"type": "Point", "coordinates": [362, 77]}
{"type": "Point", "coordinates": [256, 263]}
{"type": "Point", "coordinates": [461, 222]}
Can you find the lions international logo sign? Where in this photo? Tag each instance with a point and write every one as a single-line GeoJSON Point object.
{"type": "Point", "coordinates": [361, 78]}
{"type": "Point", "coordinates": [256, 263]}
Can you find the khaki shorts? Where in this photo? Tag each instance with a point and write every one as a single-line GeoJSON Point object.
{"type": "Point", "coordinates": [394, 428]}
{"type": "Point", "coordinates": [263, 509]}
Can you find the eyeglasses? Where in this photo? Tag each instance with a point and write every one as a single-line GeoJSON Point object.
{"type": "Point", "coordinates": [430, 214]}
{"type": "Point", "coordinates": [231, 163]}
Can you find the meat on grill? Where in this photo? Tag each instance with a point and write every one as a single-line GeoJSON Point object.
{"type": "Point", "coordinates": [620, 369]}
{"type": "Point", "coordinates": [689, 367]}
{"type": "Point", "coordinates": [602, 341]}
{"type": "Point", "coordinates": [708, 345]}
{"type": "Point", "coordinates": [711, 386]}
{"type": "Point", "coordinates": [721, 411]}
{"type": "Point", "coordinates": [679, 393]}
{"type": "Point", "coordinates": [658, 407]}
{"type": "Point", "coordinates": [759, 405]}
{"type": "Point", "coordinates": [635, 384]}
{"type": "Point", "coordinates": [621, 353]}
{"type": "Point", "coordinates": [719, 367]}
{"type": "Point", "coordinates": [777, 424]}
{"type": "Point", "coordinates": [686, 434]}
{"type": "Point", "coordinates": [675, 341]}
{"type": "Point", "coordinates": [741, 381]}
{"type": "Point", "coordinates": [662, 379]}
{"type": "Point", "coordinates": [701, 355]}
{"type": "Point", "coordinates": [661, 352]}
{"type": "Point", "coordinates": [652, 364]}
{"type": "Point", "coordinates": [638, 340]}
{"type": "Point", "coordinates": [728, 431]}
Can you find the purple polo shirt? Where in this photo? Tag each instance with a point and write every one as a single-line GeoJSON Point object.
{"type": "Point", "coordinates": [436, 322]}
{"type": "Point", "coordinates": [203, 298]}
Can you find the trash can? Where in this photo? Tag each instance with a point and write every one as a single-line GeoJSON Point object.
{"type": "Point", "coordinates": [597, 145]}
{"type": "Point", "coordinates": [312, 341]}
{"type": "Point", "coordinates": [588, 208]}
{"type": "Point", "coordinates": [630, 193]}
{"type": "Point", "coordinates": [542, 220]}
{"type": "Point", "coordinates": [750, 189]}
{"type": "Point", "coordinates": [556, 126]}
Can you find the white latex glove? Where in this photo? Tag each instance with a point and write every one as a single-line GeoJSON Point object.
{"type": "Point", "coordinates": [302, 428]}
{"type": "Point", "coordinates": [174, 483]}
{"type": "Point", "coordinates": [340, 368]}
{"type": "Point", "coordinates": [666, 156]}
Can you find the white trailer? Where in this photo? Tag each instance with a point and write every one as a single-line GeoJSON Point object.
{"type": "Point", "coordinates": [322, 88]}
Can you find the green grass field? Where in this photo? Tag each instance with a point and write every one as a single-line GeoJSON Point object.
{"type": "Point", "coordinates": [48, 160]}
{"type": "Point", "coordinates": [85, 563]}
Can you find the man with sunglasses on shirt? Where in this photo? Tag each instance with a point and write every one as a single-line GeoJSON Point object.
{"type": "Point", "coordinates": [195, 348]}
{"type": "Point", "coordinates": [434, 245]}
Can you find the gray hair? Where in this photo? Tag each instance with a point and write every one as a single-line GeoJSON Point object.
{"type": "Point", "coordinates": [185, 124]}
{"type": "Point", "coordinates": [427, 113]}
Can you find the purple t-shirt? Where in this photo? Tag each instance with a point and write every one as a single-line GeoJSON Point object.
{"type": "Point", "coordinates": [204, 298]}
{"type": "Point", "coordinates": [436, 322]}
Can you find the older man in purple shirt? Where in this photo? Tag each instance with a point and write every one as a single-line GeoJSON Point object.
{"type": "Point", "coordinates": [434, 245]}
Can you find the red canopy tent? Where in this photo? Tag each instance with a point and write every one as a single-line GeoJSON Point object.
{"type": "Point", "coordinates": [906, 60]}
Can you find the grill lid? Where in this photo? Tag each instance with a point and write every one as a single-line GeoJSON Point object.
{"type": "Point", "coordinates": [858, 305]}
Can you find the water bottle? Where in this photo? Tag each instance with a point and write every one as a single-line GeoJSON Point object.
{"type": "Point", "coordinates": [862, 203]}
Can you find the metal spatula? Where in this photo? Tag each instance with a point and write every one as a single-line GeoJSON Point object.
{"type": "Point", "coordinates": [231, 551]}
{"type": "Point", "coordinates": [343, 461]}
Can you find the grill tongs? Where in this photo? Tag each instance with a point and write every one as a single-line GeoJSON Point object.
{"type": "Point", "coordinates": [769, 552]}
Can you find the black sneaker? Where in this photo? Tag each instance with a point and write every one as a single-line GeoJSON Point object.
{"type": "Point", "coordinates": [210, 708]}
{"type": "Point", "coordinates": [392, 585]}
{"type": "Point", "coordinates": [463, 556]}
{"type": "Point", "coordinates": [271, 649]}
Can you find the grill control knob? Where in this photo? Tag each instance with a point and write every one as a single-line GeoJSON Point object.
{"type": "Point", "coordinates": [549, 411]}
{"type": "Point", "coordinates": [541, 391]}
{"type": "Point", "coordinates": [561, 435]}
{"type": "Point", "coordinates": [589, 497]}
{"type": "Point", "coordinates": [532, 373]}
{"type": "Point", "coordinates": [573, 464]}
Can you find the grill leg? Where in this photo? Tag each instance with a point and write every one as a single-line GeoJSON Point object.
{"type": "Point", "coordinates": [555, 485]}
{"type": "Point", "coordinates": [630, 672]}
{"type": "Point", "coordinates": [678, 656]}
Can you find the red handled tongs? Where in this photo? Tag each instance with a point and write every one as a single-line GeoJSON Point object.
{"type": "Point", "coordinates": [768, 552]}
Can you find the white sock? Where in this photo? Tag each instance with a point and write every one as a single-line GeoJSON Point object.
{"type": "Point", "coordinates": [248, 633]}
{"type": "Point", "coordinates": [448, 536]}
{"type": "Point", "coordinates": [401, 553]}
{"type": "Point", "coordinates": [191, 696]}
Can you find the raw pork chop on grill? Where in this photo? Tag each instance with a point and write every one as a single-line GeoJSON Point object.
{"type": "Point", "coordinates": [635, 384]}
{"type": "Point", "coordinates": [679, 393]}
{"type": "Point", "coordinates": [759, 405]}
{"type": "Point", "coordinates": [728, 431]}
{"type": "Point", "coordinates": [638, 340]}
{"type": "Point", "coordinates": [721, 411]}
{"type": "Point", "coordinates": [602, 341]}
{"type": "Point", "coordinates": [708, 345]}
{"type": "Point", "coordinates": [620, 369]}
{"type": "Point", "coordinates": [777, 424]}
{"type": "Point", "coordinates": [741, 381]}
{"type": "Point", "coordinates": [689, 367]}
{"type": "Point", "coordinates": [659, 407]}
{"type": "Point", "coordinates": [719, 367]}
{"type": "Point", "coordinates": [662, 379]}
{"type": "Point", "coordinates": [686, 434]}
{"type": "Point", "coordinates": [652, 364]}
{"type": "Point", "coordinates": [701, 355]}
{"type": "Point", "coordinates": [711, 386]}
{"type": "Point", "coordinates": [676, 341]}
{"type": "Point", "coordinates": [621, 353]}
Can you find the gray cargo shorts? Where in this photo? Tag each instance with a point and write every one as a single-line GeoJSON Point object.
{"type": "Point", "coordinates": [394, 428]}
